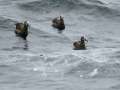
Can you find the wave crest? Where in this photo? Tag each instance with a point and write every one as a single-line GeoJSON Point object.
{"type": "Point", "coordinates": [89, 7]}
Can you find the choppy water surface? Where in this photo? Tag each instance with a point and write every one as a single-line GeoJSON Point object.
{"type": "Point", "coordinates": [47, 61]}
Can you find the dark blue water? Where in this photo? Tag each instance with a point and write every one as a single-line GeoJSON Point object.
{"type": "Point", "coordinates": [46, 60]}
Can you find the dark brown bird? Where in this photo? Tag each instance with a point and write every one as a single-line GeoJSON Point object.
{"type": "Point", "coordinates": [80, 44]}
{"type": "Point", "coordinates": [58, 23]}
{"type": "Point", "coordinates": [22, 29]}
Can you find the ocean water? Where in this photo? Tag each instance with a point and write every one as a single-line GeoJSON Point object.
{"type": "Point", "coordinates": [46, 60]}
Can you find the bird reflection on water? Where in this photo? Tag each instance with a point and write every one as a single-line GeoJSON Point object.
{"type": "Point", "coordinates": [21, 44]}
